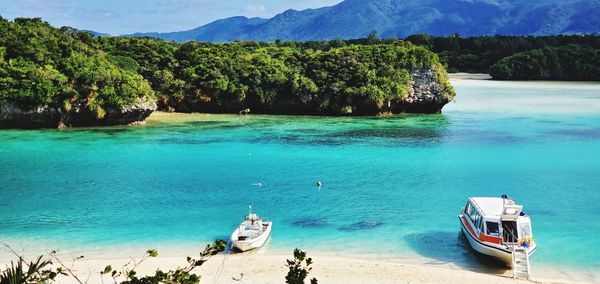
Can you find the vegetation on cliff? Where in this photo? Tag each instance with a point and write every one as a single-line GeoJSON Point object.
{"type": "Point", "coordinates": [44, 66]}
{"type": "Point", "coordinates": [276, 77]}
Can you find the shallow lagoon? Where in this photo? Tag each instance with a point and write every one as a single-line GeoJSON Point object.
{"type": "Point", "coordinates": [392, 186]}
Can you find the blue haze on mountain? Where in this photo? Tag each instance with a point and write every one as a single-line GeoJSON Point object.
{"type": "Point", "coordinates": [400, 18]}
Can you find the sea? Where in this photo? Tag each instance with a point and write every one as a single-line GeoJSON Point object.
{"type": "Point", "coordinates": [391, 187]}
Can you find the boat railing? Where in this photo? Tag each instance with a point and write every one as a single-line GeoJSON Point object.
{"type": "Point", "coordinates": [517, 242]}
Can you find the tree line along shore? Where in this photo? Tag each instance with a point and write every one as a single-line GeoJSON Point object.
{"type": "Point", "coordinates": [64, 77]}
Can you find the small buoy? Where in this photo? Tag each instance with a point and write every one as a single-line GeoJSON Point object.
{"type": "Point", "coordinates": [319, 183]}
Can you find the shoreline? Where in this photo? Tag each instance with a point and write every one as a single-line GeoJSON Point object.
{"type": "Point", "coordinates": [270, 268]}
{"type": "Point", "coordinates": [327, 268]}
{"type": "Point", "coordinates": [267, 265]}
{"type": "Point", "coordinates": [468, 76]}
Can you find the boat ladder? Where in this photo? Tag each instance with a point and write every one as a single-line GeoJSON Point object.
{"type": "Point", "coordinates": [520, 262]}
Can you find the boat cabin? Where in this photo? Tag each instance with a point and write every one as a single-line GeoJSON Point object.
{"type": "Point", "coordinates": [498, 220]}
{"type": "Point", "coordinates": [252, 227]}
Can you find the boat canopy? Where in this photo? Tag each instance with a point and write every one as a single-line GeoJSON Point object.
{"type": "Point", "coordinates": [497, 208]}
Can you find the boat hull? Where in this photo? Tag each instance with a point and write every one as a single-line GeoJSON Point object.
{"type": "Point", "coordinates": [500, 252]}
{"type": "Point", "coordinates": [251, 244]}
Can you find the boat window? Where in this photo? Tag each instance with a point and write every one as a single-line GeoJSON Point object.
{"type": "Point", "coordinates": [492, 228]}
{"type": "Point", "coordinates": [524, 230]}
{"type": "Point", "coordinates": [477, 221]}
{"type": "Point", "coordinates": [480, 225]}
{"type": "Point", "coordinates": [472, 213]}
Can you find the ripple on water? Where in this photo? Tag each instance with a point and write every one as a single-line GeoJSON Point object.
{"type": "Point", "coordinates": [393, 132]}
{"type": "Point", "coordinates": [310, 222]}
{"type": "Point", "coordinates": [187, 141]}
{"type": "Point", "coordinates": [472, 136]}
{"type": "Point", "coordinates": [579, 134]}
{"type": "Point", "coordinates": [107, 131]}
{"type": "Point", "coordinates": [362, 225]}
{"type": "Point", "coordinates": [215, 125]}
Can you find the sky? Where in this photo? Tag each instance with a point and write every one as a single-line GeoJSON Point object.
{"type": "Point", "coordinates": [118, 17]}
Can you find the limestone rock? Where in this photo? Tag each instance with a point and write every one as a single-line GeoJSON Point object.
{"type": "Point", "coordinates": [50, 116]}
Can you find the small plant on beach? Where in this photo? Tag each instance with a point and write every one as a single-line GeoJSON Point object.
{"type": "Point", "coordinates": [298, 270]}
{"type": "Point", "coordinates": [40, 271]}
{"type": "Point", "coordinates": [22, 272]}
{"type": "Point", "coordinates": [179, 275]}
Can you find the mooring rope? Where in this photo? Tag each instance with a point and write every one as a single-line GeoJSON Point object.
{"type": "Point", "coordinates": [222, 266]}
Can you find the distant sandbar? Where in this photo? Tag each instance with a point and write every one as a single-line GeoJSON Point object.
{"type": "Point", "coordinates": [469, 76]}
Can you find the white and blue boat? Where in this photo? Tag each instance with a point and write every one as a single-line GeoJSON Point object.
{"type": "Point", "coordinates": [498, 227]}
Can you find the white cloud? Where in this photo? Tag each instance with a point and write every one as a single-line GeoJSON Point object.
{"type": "Point", "coordinates": [254, 9]}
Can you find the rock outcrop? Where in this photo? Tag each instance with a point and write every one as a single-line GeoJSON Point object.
{"type": "Point", "coordinates": [49, 116]}
{"type": "Point", "coordinates": [429, 91]}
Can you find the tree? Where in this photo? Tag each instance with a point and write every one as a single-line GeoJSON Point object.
{"type": "Point", "coordinates": [298, 270]}
{"type": "Point", "coordinates": [372, 37]}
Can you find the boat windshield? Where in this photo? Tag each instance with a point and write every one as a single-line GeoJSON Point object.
{"type": "Point", "coordinates": [492, 228]}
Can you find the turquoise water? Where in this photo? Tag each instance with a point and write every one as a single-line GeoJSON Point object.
{"type": "Point", "coordinates": [391, 186]}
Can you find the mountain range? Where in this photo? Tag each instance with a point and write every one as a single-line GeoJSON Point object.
{"type": "Point", "coordinates": [400, 18]}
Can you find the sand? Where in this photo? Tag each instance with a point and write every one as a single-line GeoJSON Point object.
{"type": "Point", "coordinates": [327, 268]}
{"type": "Point", "coordinates": [469, 76]}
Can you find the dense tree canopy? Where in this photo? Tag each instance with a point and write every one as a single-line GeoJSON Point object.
{"type": "Point", "coordinates": [478, 54]}
{"type": "Point", "coordinates": [283, 77]}
{"type": "Point", "coordinates": [571, 62]}
{"type": "Point", "coordinates": [41, 65]}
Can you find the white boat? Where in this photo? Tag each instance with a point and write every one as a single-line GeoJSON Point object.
{"type": "Point", "coordinates": [498, 227]}
{"type": "Point", "coordinates": [252, 233]}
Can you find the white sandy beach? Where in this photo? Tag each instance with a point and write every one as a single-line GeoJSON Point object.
{"type": "Point", "coordinates": [469, 76]}
{"type": "Point", "coordinates": [327, 268]}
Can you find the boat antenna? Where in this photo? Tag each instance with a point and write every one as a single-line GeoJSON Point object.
{"type": "Point", "coordinates": [250, 207]}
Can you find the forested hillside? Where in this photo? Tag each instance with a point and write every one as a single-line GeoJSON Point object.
{"type": "Point", "coordinates": [73, 78]}
{"type": "Point", "coordinates": [42, 66]}
{"type": "Point", "coordinates": [279, 78]}
{"type": "Point", "coordinates": [65, 77]}
{"type": "Point", "coordinates": [571, 62]}
{"type": "Point", "coordinates": [478, 54]}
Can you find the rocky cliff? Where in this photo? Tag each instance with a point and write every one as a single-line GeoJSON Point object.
{"type": "Point", "coordinates": [429, 92]}
{"type": "Point", "coordinates": [49, 116]}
